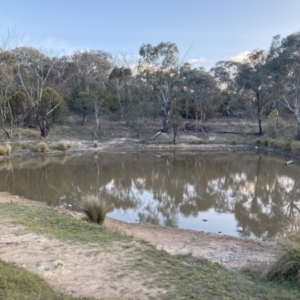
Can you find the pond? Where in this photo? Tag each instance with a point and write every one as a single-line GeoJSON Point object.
{"type": "Point", "coordinates": [213, 192]}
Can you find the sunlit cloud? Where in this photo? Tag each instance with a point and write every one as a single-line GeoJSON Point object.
{"type": "Point", "coordinates": [51, 46]}
{"type": "Point", "coordinates": [197, 61]}
{"type": "Point", "coordinates": [57, 47]}
{"type": "Point", "coordinates": [240, 57]}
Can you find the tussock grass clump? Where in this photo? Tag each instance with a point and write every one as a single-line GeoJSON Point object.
{"type": "Point", "coordinates": [283, 145]}
{"type": "Point", "coordinates": [272, 143]}
{"type": "Point", "coordinates": [198, 142]}
{"type": "Point", "coordinates": [287, 266]}
{"type": "Point", "coordinates": [62, 145]}
{"type": "Point", "coordinates": [295, 148]}
{"type": "Point", "coordinates": [276, 144]}
{"type": "Point", "coordinates": [258, 142]}
{"type": "Point", "coordinates": [95, 208]}
{"type": "Point", "coordinates": [266, 142]}
{"type": "Point", "coordinates": [5, 150]}
{"type": "Point", "coordinates": [42, 147]}
{"type": "Point", "coordinates": [95, 144]}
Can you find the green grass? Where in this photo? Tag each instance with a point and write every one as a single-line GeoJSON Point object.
{"type": "Point", "coordinates": [176, 277]}
{"type": "Point", "coordinates": [48, 221]}
{"type": "Point", "coordinates": [18, 284]}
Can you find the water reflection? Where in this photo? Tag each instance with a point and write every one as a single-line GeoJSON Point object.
{"type": "Point", "coordinates": [252, 190]}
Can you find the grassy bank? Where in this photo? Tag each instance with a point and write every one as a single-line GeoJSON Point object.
{"type": "Point", "coordinates": [177, 277]}
{"type": "Point", "coordinates": [16, 283]}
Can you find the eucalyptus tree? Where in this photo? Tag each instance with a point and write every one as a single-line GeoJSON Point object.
{"type": "Point", "coordinates": [34, 73]}
{"type": "Point", "coordinates": [121, 77]}
{"type": "Point", "coordinates": [224, 74]}
{"type": "Point", "coordinates": [200, 88]}
{"type": "Point", "coordinates": [7, 85]}
{"type": "Point", "coordinates": [92, 70]}
{"type": "Point", "coordinates": [283, 62]}
{"type": "Point", "coordinates": [159, 66]}
{"type": "Point", "coordinates": [256, 86]}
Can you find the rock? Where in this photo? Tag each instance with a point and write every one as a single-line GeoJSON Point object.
{"type": "Point", "coordinates": [240, 229]}
{"type": "Point", "coordinates": [290, 162]}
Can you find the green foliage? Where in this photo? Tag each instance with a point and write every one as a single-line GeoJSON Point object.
{"type": "Point", "coordinates": [42, 147]}
{"type": "Point", "coordinates": [95, 208]}
{"type": "Point", "coordinates": [18, 104]}
{"type": "Point", "coordinates": [51, 99]}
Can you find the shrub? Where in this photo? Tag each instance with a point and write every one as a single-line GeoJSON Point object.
{"type": "Point", "coordinates": [95, 208]}
{"type": "Point", "coordinates": [62, 145]}
{"type": "Point", "coordinates": [295, 146]}
{"type": "Point", "coordinates": [42, 147]}
{"type": "Point", "coordinates": [266, 142]}
{"type": "Point", "coordinates": [95, 144]}
{"type": "Point", "coordinates": [272, 143]}
{"type": "Point", "coordinates": [287, 265]}
{"type": "Point", "coordinates": [5, 150]}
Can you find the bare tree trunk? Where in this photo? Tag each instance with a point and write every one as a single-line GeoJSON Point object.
{"type": "Point", "coordinates": [97, 119]}
{"type": "Point", "coordinates": [175, 128]}
{"type": "Point", "coordinates": [3, 118]}
{"type": "Point", "coordinates": [11, 118]}
{"type": "Point", "coordinates": [297, 114]}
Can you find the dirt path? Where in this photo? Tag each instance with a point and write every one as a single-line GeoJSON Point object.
{"type": "Point", "coordinates": [84, 270]}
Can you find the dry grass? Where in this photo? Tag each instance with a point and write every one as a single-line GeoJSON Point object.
{"type": "Point", "coordinates": [287, 266]}
{"type": "Point", "coordinates": [62, 145]}
{"type": "Point", "coordinates": [276, 144]}
{"type": "Point", "coordinates": [28, 133]}
{"type": "Point", "coordinates": [95, 208]}
{"type": "Point", "coordinates": [42, 147]}
{"type": "Point", "coordinates": [5, 150]}
{"type": "Point", "coordinates": [295, 148]}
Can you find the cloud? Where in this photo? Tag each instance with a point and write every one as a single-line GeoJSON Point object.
{"type": "Point", "coordinates": [197, 61]}
{"type": "Point", "coordinates": [51, 46]}
{"type": "Point", "coordinates": [240, 57]}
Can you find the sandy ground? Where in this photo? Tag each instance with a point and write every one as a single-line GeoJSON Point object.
{"type": "Point", "coordinates": [74, 268]}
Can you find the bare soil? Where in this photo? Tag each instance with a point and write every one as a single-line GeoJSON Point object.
{"type": "Point", "coordinates": [84, 270]}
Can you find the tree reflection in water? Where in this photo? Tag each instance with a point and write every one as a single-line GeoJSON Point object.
{"type": "Point", "coordinates": [256, 191]}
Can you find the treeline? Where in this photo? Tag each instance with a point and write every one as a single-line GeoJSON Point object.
{"type": "Point", "coordinates": [37, 90]}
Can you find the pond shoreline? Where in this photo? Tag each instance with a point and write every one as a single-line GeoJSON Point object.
{"type": "Point", "coordinates": [231, 252]}
{"type": "Point", "coordinates": [118, 145]}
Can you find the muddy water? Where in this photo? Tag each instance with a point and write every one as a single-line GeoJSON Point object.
{"type": "Point", "coordinates": [215, 192]}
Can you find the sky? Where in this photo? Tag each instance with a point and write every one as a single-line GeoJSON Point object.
{"type": "Point", "coordinates": [205, 31]}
